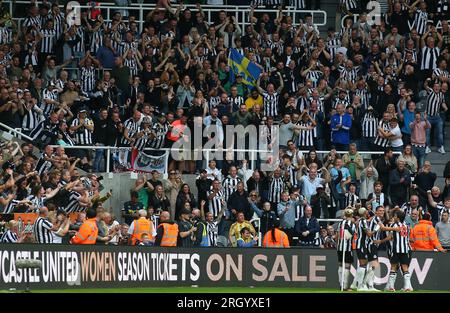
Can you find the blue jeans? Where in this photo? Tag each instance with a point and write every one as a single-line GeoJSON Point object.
{"type": "Point", "coordinates": [419, 153]}
{"type": "Point", "coordinates": [435, 122]}
{"type": "Point", "coordinates": [99, 161]}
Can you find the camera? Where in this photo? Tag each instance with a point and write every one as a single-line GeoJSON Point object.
{"type": "Point", "coordinates": [100, 178]}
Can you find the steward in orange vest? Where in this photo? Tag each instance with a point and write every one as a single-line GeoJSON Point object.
{"type": "Point", "coordinates": [424, 237]}
{"type": "Point", "coordinates": [275, 238]}
{"type": "Point", "coordinates": [141, 226]}
{"type": "Point", "coordinates": [167, 232]}
{"type": "Point", "coordinates": [88, 232]}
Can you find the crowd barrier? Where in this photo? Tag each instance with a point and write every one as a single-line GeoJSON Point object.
{"type": "Point", "coordinates": [66, 267]}
{"type": "Point", "coordinates": [240, 12]}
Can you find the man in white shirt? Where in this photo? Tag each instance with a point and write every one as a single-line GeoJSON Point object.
{"type": "Point", "coordinates": [213, 172]}
{"type": "Point", "coordinates": [395, 135]}
{"type": "Point", "coordinates": [310, 183]}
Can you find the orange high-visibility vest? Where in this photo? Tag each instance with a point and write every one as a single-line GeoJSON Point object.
{"type": "Point", "coordinates": [281, 239]}
{"type": "Point", "coordinates": [87, 234]}
{"type": "Point", "coordinates": [141, 226]}
{"type": "Point", "coordinates": [170, 235]}
{"type": "Point", "coordinates": [425, 237]}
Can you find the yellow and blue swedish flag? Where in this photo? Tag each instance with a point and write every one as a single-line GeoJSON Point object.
{"type": "Point", "coordinates": [240, 65]}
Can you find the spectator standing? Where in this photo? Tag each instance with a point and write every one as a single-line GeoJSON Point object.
{"type": "Point", "coordinates": [369, 176]}
{"type": "Point", "coordinates": [42, 227]}
{"type": "Point", "coordinates": [384, 165]}
{"type": "Point", "coordinates": [340, 126]}
{"type": "Point", "coordinates": [419, 129]}
{"type": "Point", "coordinates": [399, 183]}
{"type": "Point", "coordinates": [246, 240]}
{"type": "Point", "coordinates": [443, 231]}
{"type": "Point", "coordinates": [340, 179]}
{"type": "Point", "coordinates": [307, 228]}
{"type": "Point", "coordinates": [236, 229]}
{"type": "Point", "coordinates": [130, 208]}
{"type": "Point", "coordinates": [186, 231]}
{"type": "Point", "coordinates": [354, 162]}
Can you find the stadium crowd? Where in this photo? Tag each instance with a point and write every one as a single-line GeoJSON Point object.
{"type": "Point", "coordinates": [364, 87]}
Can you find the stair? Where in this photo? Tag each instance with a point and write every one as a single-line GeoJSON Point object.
{"type": "Point", "coordinates": [333, 16]}
{"type": "Point", "coordinates": [438, 160]}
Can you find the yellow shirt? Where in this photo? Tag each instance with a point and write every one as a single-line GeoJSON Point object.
{"type": "Point", "coordinates": [235, 230]}
{"type": "Point", "coordinates": [250, 102]}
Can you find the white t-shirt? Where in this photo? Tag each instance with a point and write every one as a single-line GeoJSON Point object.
{"type": "Point", "coordinates": [396, 132]}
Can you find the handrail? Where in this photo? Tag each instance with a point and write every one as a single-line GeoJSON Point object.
{"type": "Point", "coordinates": [241, 12]}
{"type": "Point", "coordinates": [18, 133]}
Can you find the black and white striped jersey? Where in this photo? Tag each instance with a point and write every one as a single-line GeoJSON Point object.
{"type": "Point", "coordinates": [361, 236]}
{"type": "Point", "coordinates": [236, 102]}
{"type": "Point", "coordinates": [212, 229]}
{"type": "Point", "coordinates": [67, 138]}
{"type": "Point", "coordinates": [213, 102]}
{"type": "Point", "coordinates": [420, 22]}
{"type": "Point", "coordinates": [31, 21]}
{"type": "Point", "coordinates": [434, 102]}
{"type": "Point", "coordinates": [5, 35]}
{"type": "Point", "coordinates": [345, 225]}
{"type": "Point", "coordinates": [96, 41]}
{"type": "Point", "coordinates": [38, 202]}
{"type": "Point", "coordinates": [132, 126]}
{"type": "Point", "coordinates": [305, 136]}
{"type": "Point", "coordinates": [441, 209]}
{"type": "Point", "coordinates": [48, 95]}
{"type": "Point", "coordinates": [351, 199]}
{"type": "Point", "coordinates": [429, 57]}
{"type": "Point", "coordinates": [83, 135]}
{"type": "Point", "coordinates": [88, 77]}
{"type": "Point", "coordinates": [215, 205]}
{"type": "Point", "coordinates": [229, 185]}
{"type": "Point", "coordinates": [299, 209]}
{"type": "Point", "coordinates": [364, 95]}
{"type": "Point", "coordinates": [80, 46]}
{"type": "Point", "coordinates": [315, 77]}
{"type": "Point", "coordinates": [42, 230]}
{"type": "Point", "coordinates": [31, 118]}
{"type": "Point", "coordinates": [133, 66]}
{"type": "Point", "coordinates": [141, 143]}
{"type": "Point", "coordinates": [292, 172]}
{"type": "Point", "coordinates": [440, 73]}
{"type": "Point", "coordinates": [400, 242]}
{"type": "Point", "coordinates": [374, 228]}
{"type": "Point", "coordinates": [333, 45]}
{"type": "Point", "coordinates": [44, 130]}
{"type": "Point", "coordinates": [413, 52]}
{"type": "Point", "coordinates": [379, 141]}
{"type": "Point", "coordinates": [9, 237]}
{"type": "Point", "coordinates": [74, 205]}
{"type": "Point", "coordinates": [160, 132]}
{"type": "Point", "coordinates": [48, 41]}
{"type": "Point", "coordinates": [59, 23]}
{"type": "Point", "coordinates": [270, 104]}
{"type": "Point", "coordinates": [276, 187]}
{"type": "Point", "coordinates": [369, 125]}
{"type": "Point", "coordinates": [407, 208]}
{"type": "Point", "coordinates": [43, 165]}
{"type": "Point", "coordinates": [11, 206]}
{"type": "Point", "coordinates": [349, 74]}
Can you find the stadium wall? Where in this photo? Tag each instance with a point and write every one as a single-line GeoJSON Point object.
{"type": "Point", "coordinates": [65, 267]}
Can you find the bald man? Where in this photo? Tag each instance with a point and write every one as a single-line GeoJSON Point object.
{"type": "Point", "coordinates": [165, 224]}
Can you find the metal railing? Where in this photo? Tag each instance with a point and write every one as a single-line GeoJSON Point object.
{"type": "Point", "coordinates": [141, 10]}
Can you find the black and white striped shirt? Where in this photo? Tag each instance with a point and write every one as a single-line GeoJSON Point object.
{"type": "Point", "coordinates": [87, 78]}
{"type": "Point", "coordinates": [342, 241]}
{"type": "Point", "coordinates": [360, 242]}
{"type": "Point", "coordinates": [11, 206]}
{"type": "Point", "coordinates": [369, 125]}
{"type": "Point", "coordinates": [236, 102]}
{"type": "Point", "coordinates": [429, 57]}
{"type": "Point", "coordinates": [5, 35]}
{"type": "Point", "coordinates": [141, 143]}
{"type": "Point", "coordinates": [31, 119]}
{"type": "Point", "coordinates": [212, 230]}
{"type": "Point", "coordinates": [38, 202]}
{"type": "Point", "coordinates": [229, 186]}
{"type": "Point", "coordinates": [434, 103]}
{"type": "Point", "coordinates": [374, 229]}
{"type": "Point", "coordinates": [160, 132]}
{"type": "Point", "coordinates": [351, 199]}
{"type": "Point", "coordinates": [48, 41]}
{"type": "Point", "coordinates": [440, 207]}
{"type": "Point", "coordinates": [83, 135]}
{"type": "Point", "coordinates": [333, 45]}
{"type": "Point", "coordinates": [133, 66]}
{"type": "Point", "coordinates": [400, 243]}
{"type": "Point", "coordinates": [438, 72]}
{"type": "Point", "coordinates": [96, 40]}
{"type": "Point", "coordinates": [276, 187]}
{"type": "Point", "coordinates": [80, 46]}
{"type": "Point", "coordinates": [132, 126]}
{"type": "Point", "coordinates": [74, 205]}
{"type": "Point", "coordinates": [9, 237]}
{"type": "Point", "coordinates": [215, 204]}
{"type": "Point", "coordinates": [314, 76]}
{"type": "Point", "coordinates": [270, 104]}
{"type": "Point", "coordinates": [420, 21]}
{"type": "Point", "coordinates": [379, 141]}
{"type": "Point", "coordinates": [406, 207]}
{"type": "Point", "coordinates": [59, 22]}
{"type": "Point", "coordinates": [349, 74]}
{"type": "Point", "coordinates": [42, 230]}
{"type": "Point", "coordinates": [43, 165]}
{"type": "Point", "coordinates": [305, 137]}
{"type": "Point", "coordinates": [292, 171]}
{"type": "Point", "coordinates": [48, 95]}
{"type": "Point", "coordinates": [364, 94]}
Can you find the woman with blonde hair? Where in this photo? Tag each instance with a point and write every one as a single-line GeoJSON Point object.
{"type": "Point", "coordinates": [409, 158]}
